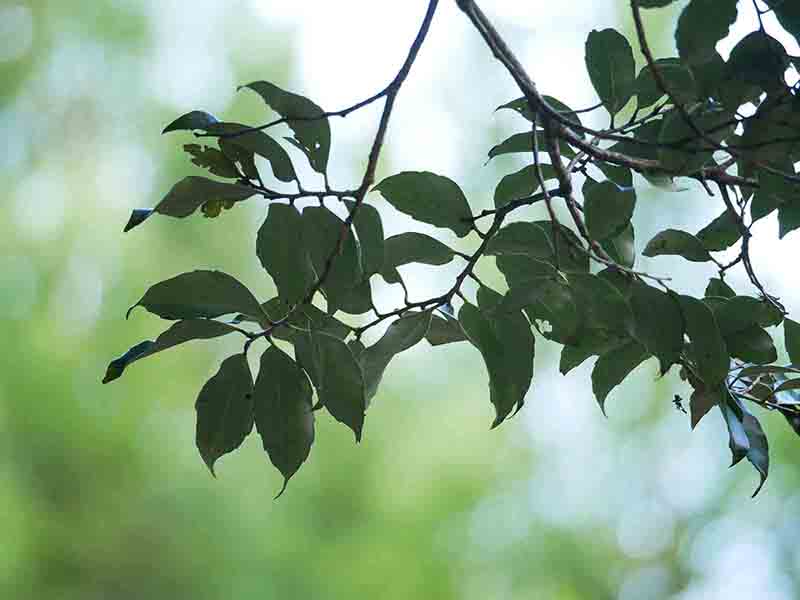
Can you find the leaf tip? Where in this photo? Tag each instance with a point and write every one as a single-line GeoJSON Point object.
{"type": "Point", "coordinates": [138, 216]}
{"type": "Point", "coordinates": [283, 488]}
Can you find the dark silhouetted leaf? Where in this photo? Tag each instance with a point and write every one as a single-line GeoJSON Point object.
{"type": "Point", "coordinates": [753, 345]}
{"type": "Point", "coordinates": [702, 401]}
{"type": "Point", "coordinates": [608, 208]}
{"type": "Point", "coordinates": [195, 120]}
{"type": "Point", "coordinates": [621, 247]}
{"type": "Point", "coordinates": [444, 331]}
{"type": "Point", "coordinates": [506, 343]}
{"type": "Point", "coordinates": [613, 367]}
{"type": "Point", "coordinates": [178, 333]}
{"type": "Point", "coordinates": [212, 159]}
{"type": "Point", "coordinates": [283, 417]}
{"type": "Point", "coordinates": [369, 230]}
{"type": "Point", "coordinates": [402, 334]}
{"type": "Point", "coordinates": [791, 335]}
{"type": "Point", "coordinates": [339, 381]}
{"type": "Point", "coordinates": [677, 78]}
{"type": "Point", "coordinates": [521, 184]}
{"type": "Point", "coordinates": [717, 287]}
{"type": "Point", "coordinates": [722, 233]}
{"type": "Point", "coordinates": [524, 143]}
{"type": "Point", "coordinates": [658, 323]}
{"type": "Point", "coordinates": [190, 193]}
{"type": "Point", "coordinates": [678, 243]}
{"type": "Point", "coordinates": [738, 441]}
{"type": "Point", "coordinates": [428, 198]}
{"type": "Point", "coordinates": [701, 25]}
{"type": "Point", "coordinates": [225, 410]}
{"type": "Point", "coordinates": [609, 61]}
{"type": "Point", "coordinates": [708, 348]}
{"type": "Point", "coordinates": [200, 294]}
{"type": "Point", "coordinates": [681, 149]}
{"type": "Point", "coordinates": [280, 248]}
{"type": "Point", "coordinates": [412, 247]}
{"type": "Point", "coordinates": [321, 232]}
{"type": "Point", "coordinates": [242, 147]}
{"type": "Point", "coordinates": [311, 130]}
{"type": "Point", "coordinates": [138, 216]}
{"type": "Point", "coordinates": [520, 106]}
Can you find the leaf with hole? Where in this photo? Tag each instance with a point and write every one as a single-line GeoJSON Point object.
{"type": "Point", "coordinates": [312, 132]}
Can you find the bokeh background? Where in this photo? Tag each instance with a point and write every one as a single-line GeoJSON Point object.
{"type": "Point", "coordinates": [102, 493]}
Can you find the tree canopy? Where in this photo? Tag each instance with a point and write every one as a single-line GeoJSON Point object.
{"type": "Point", "coordinates": [731, 124]}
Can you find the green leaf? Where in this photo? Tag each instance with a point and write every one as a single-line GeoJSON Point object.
{"type": "Point", "coordinates": [758, 453]}
{"type": "Point", "coordinates": [678, 243]}
{"type": "Point", "coordinates": [535, 240]}
{"type": "Point", "coordinates": [254, 142]}
{"type": "Point", "coordinates": [654, 3]}
{"type": "Point", "coordinates": [428, 198]}
{"type": "Point", "coordinates": [621, 248]}
{"type": "Point", "coordinates": [178, 333]}
{"type": "Point", "coordinates": [402, 334]}
{"type": "Point", "coordinates": [212, 159]}
{"type": "Point", "coordinates": [507, 345]}
{"type": "Point", "coordinates": [677, 78]}
{"type": "Point", "coordinates": [791, 336]}
{"type": "Point", "coordinates": [283, 416]}
{"type": "Point", "coordinates": [708, 349]}
{"type": "Point", "coordinates": [340, 382]}
{"type": "Point", "coordinates": [444, 331]}
{"type": "Point", "coordinates": [601, 304]}
{"type": "Point", "coordinates": [189, 194]}
{"type": "Point", "coordinates": [702, 401]}
{"type": "Point", "coordinates": [197, 119]}
{"type": "Point", "coordinates": [788, 14]}
{"type": "Point", "coordinates": [521, 184]}
{"type": "Point", "coordinates": [613, 367]}
{"type": "Point", "coordinates": [321, 232]}
{"type": "Point", "coordinates": [200, 294]}
{"type": "Point", "coordinates": [609, 61]}
{"type": "Point", "coordinates": [357, 300]}
{"type": "Point", "coordinates": [759, 60]}
{"type": "Point", "coordinates": [740, 313]}
{"type": "Point", "coordinates": [311, 129]}
{"type": "Point", "coordinates": [701, 25]}
{"type": "Point", "coordinates": [369, 229]}
{"type": "Point", "coordinates": [658, 323]}
{"type": "Point", "coordinates": [280, 248]}
{"type": "Point", "coordinates": [524, 143]}
{"type": "Point", "coordinates": [520, 105]}
{"type": "Point", "coordinates": [752, 345]}
{"type": "Point", "coordinates": [738, 439]}
{"type": "Point", "coordinates": [717, 287]}
{"type": "Point", "coordinates": [681, 151]}
{"type": "Point", "coordinates": [722, 233]}
{"type": "Point", "coordinates": [412, 247]}
{"type": "Point", "coordinates": [608, 208]}
{"type": "Point", "coordinates": [589, 343]}
{"type": "Point", "coordinates": [551, 306]}
{"type": "Point", "coordinates": [225, 410]}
